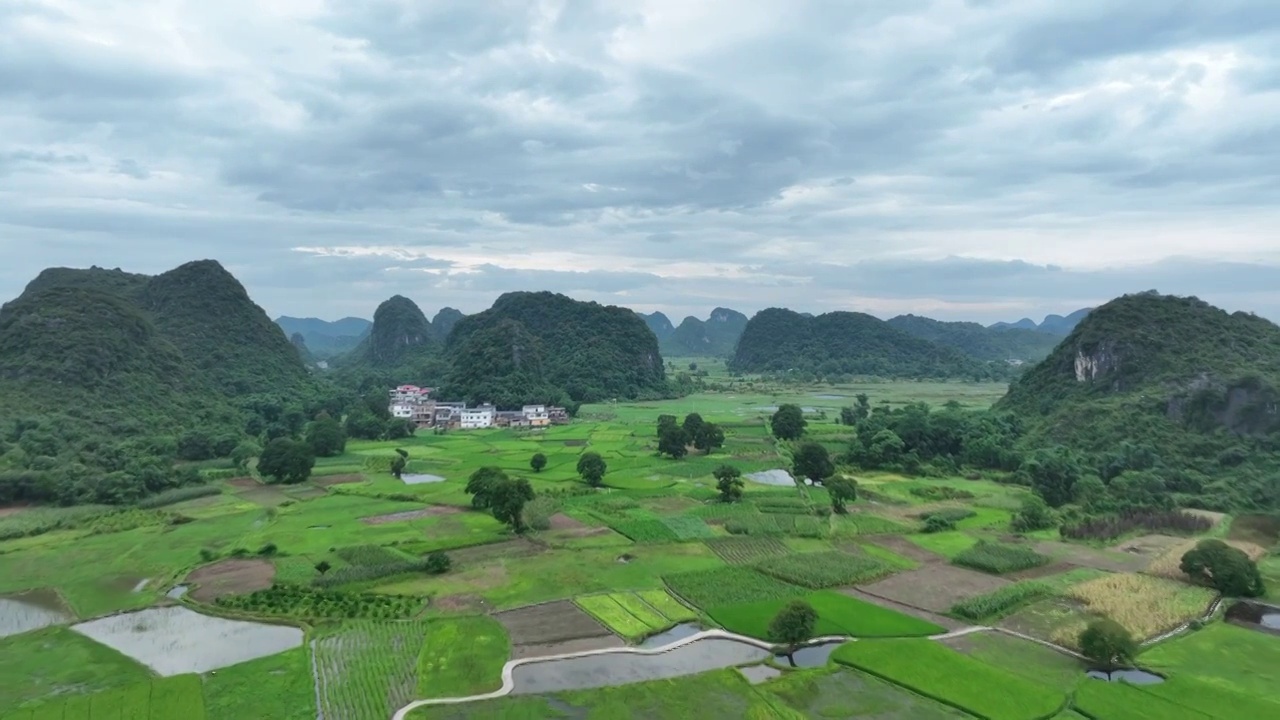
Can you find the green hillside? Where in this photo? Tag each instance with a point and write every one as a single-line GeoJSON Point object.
{"type": "Point", "coordinates": [716, 336]}
{"type": "Point", "coordinates": [1188, 383]}
{"type": "Point", "coordinates": [542, 346]}
{"type": "Point", "coordinates": [846, 343]}
{"type": "Point", "coordinates": [103, 372]}
{"type": "Point", "coordinates": [980, 342]}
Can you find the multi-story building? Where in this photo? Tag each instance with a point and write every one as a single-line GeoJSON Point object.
{"type": "Point", "coordinates": [537, 415]}
{"type": "Point", "coordinates": [477, 418]}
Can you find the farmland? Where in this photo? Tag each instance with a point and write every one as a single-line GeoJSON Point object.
{"type": "Point", "coordinates": [339, 562]}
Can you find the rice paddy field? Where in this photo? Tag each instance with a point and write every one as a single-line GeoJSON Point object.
{"type": "Point", "coordinates": [246, 600]}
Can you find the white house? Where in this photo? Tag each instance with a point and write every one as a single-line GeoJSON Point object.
{"type": "Point", "coordinates": [402, 410]}
{"type": "Point", "coordinates": [536, 415]}
{"type": "Point", "coordinates": [477, 417]}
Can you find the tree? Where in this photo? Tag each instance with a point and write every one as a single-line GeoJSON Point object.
{"type": "Point", "coordinates": [1035, 514]}
{"type": "Point", "coordinates": [729, 483]}
{"type": "Point", "coordinates": [886, 448]}
{"type": "Point", "coordinates": [842, 490]}
{"type": "Point", "coordinates": [709, 437]}
{"type": "Point", "coordinates": [1224, 568]}
{"type": "Point", "coordinates": [481, 485]}
{"type": "Point", "coordinates": [666, 421]}
{"type": "Point", "coordinates": [287, 461]}
{"type": "Point", "coordinates": [673, 441]}
{"type": "Point", "coordinates": [812, 461]}
{"type": "Point", "coordinates": [1107, 644]}
{"type": "Point", "coordinates": [788, 422]}
{"type": "Point", "coordinates": [195, 445]}
{"type": "Point", "coordinates": [437, 563]}
{"type": "Point", "coordinates": [243, 453]}
{"type": "Point", "coordinates": [326, 437]}
{"type": "Point", "coordinates": [323, 566]}
{"type": "Point", "coordinates": [592, 467]}
{"type": "Point", "coordinates": [863, 410]}
{"type": "Point", "coordinates": [1053, 474]}
{"type": "Point", "coordinates": [848, 416]}
{"type": "Point", "coordinates": [793, 625]}
{"type": "Point", "coordinates": [507, 499]}
{"type": "Point", "coordinates": [537, 462]}
{"type": "Point", "coordinates": [692, 423]}
{"type": "Point", "coordinates": [399, 463]}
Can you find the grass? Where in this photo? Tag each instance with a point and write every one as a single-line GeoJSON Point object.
{"type": "Point", "coordinates": [1230, 657]}
{"type": "Point", "coordinates": [1024, 658]}
{"type": "Point", "coordinates": [838, 614]}
{"type": "Point", "coordinates": [171, 698]}
{"type": "Point", "coordinates": [843, 693]}
{"type": "Point", "coordinates": [614, 616]}
{"type": "Point", "coordinates": [1121, 701]}
{"type": "Point", "coordinates": [1144, 605]}
{"type": "Point", "coordinates": [57, 661]}
{"type": "Point", "coordinates": [462, 656]}
{"type": "Point", "coordinates": [999, 558]}
{"type": "Point", "coordinates": [947, 544]}
{"type": "Point", "coordinates": [729, 585]}
{"type": "Point", "coordinates": [239, 691]}
{"type": "Point", "coordinates": [933, 670]}
{"type": "Point", "coordinates": [366, 668]}
{"type": "Point", "coordinates": [820, 570]}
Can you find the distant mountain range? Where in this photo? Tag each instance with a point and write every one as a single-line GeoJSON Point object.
{"type": "Point", "coordinates": [1052, 324]}
{"type": "Point", "coordinates": [717, 336]}
{"type": "Point", "coordinates": [327, 339]}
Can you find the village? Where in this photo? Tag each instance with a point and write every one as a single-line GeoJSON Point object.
{"type": "Point", "coordinates": [415, 404]}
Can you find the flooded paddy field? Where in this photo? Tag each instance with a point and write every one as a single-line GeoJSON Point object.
{"type": "Point", "coordinates": [608, 669]}
{"type": "Point", "coordinates": [24, 612]}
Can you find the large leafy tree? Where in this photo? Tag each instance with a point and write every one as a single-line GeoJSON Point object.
{"type": "Point", "coordinates": [812, 461]}
{"type": "Point", "coordinates": [842, 490]}
{"type": "Point", "coordinates": [729, 483]}
{"type": "Point", "coordinates": [286, 460]}
{"type": "Point", "coordinates": [592, 467]}
{"type": "Point", "coordinates": [537, 462]}
{"type": "Point", "coordinates": [326, 437]}
{"type": "Point", "coordinates": [673, 441]}
{"type": "Point", "coordinates": [788, 422]}
{"type": "Point", "coordinates": [1053, 474]}
{"type": "Point", "coordinates": [708, 438]}
{"type": "Point", "coordinates": [481, 485]}
{"type": "Point", "coordinates": [507, 498]}
{"type": "Point", "coordinates": [1227, 569]}
{"type": "Point", "coordinates": [793, 625]}
{"type": "Point", "coordinates": [1108, 644]}
{"type": "Point", "coordinates": [692, 423]}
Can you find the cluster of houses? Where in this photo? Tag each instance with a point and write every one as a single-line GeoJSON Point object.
{"type": "Point", "coordinates": [416, 405]}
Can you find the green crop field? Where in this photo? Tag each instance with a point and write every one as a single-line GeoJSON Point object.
{"type": "Point", "coordinates": [461, 656]}
{"type": "Point", "coordinates": [933, 670]}
{"type": "Point", "coordinates": [729, 585]}
{"type": "Point", "coordinates": [367, 669]}
{"type": "Point", "coordinates": [819, 570]}
{"type": "Point", "coordinates": [838, 614]}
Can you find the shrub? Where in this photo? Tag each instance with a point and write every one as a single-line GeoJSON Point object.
{"type": "Point", "coordinates": [941, 492]}
{"type": "Point", "coordinates": [937, 524]}
{"type": "Point", "coordinates": [303, 602]}
{"type": "Point", "coordinates": [1000, 602]}
{"type": "Point", "coordinates": [952, 515]}
{"type": "Point", "coordinates": [1109, 527]}
{"type": "Point", "coordinates": [1035, 514]}
{"type": "Point", "coordinates": [538, 512]}
{"type": "Point", "coordinates": [437, 563]}
{"type": "Point", "coordinates": [268, 550]}
{"type": "Point", "coordinates": [820, 570]}
{"type": "Point", "coordinates": [999, 558]}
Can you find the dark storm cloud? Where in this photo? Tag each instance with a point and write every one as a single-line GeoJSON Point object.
{"type": "Point", "coordinates": [665, 154]}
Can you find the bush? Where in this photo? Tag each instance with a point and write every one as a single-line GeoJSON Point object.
{"type": "Point", "coordinates": [952, 515]}
{"type": "Point", "coordinates": [999, 558]}
{"type": "Point", "coordinates": [941, 492]}
{"type": "Point", "coordinates": [302, 602]}
{"type": "Point", "coordinates": [820, 570]}
{"type": "Point", "coordinates": [1000, 602]}
{"type": "Point", "coordinates": [437, 563]}
{"type": "Point", "coordinates": [937, 524]}
{"type": "Point", "coordinates": [268, 550]}
{"type": "Point", "coordinates": [538, 511]}
{"type": "Point", "coordinates": [1109, 527]}
{"type": "Point", "coordinates": [1035, 514]}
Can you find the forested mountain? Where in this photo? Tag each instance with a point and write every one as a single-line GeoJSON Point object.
{"type": "Point", "coordinates": [660, 324]}
{"type": "Point", "coordinates": [716, 336]}
{"type": "Point", "coordinates": [104, 373]}
{"type": "Point", "coordinates": [846, 343]}
{"type": "Point", "coordinates": [326, 338]}
{"type": "Point", "coordinates": [442, 324]}
{"type": "Point", "coordinates": [1181, 383]}
{"type": "Point", "coordinates": [542, 347]}
{"type": "Point", "coordinates": [977, 341]}
{"type": "Point", "coordinates": [1052, 324]}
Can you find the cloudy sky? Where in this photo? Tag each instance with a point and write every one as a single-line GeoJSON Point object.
{"type": "Point", "coordinates": [967, 159]}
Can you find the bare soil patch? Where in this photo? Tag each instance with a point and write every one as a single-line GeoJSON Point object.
{"type": "Point", "coordinates": [1261, 529]}
{"type": "Point", "coordinates": [477, 554]}
{"type": "Point", "coordinates": [7, 510]}
{"type": "Point", "coordinates": [460, 604]}
{"type": "Point", "coordinates": [549, 623]}
{"type": "Point", "coordinates": [935, 588]}
{"type": "Point", "coordinates": [905, 548]}
{"type": "Point", "coordinates": [244, 483]}
{"type": "Point", "coordinates": [1149, 546]}
{"type": "Point", "coordinates": [305, 492]}
{"type": "Point", "coordinates": [230, 577]}
{"type": "Point", "coordinates": [604, 642]}
{"type": "Point", "coordinates": [942, 621]}
{"type": "Point", "coordinates": [560, 521]}
{"type": "Point", "coordinates": [1088, 557]}
{"type": "Point", "coordinates": [429, 511]}
{"type": "Point", "coordinates": [1053, 568]}
{"type": "Point", "coordinates": [330, 480]}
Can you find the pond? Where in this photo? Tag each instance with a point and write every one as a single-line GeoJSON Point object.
{"type": "Point", "coordinates": [175, 640]}
{"type": "Point", "coordinates": [809, 657]}
{"type": "Point", "coordinates": [620, 668]}
{"type": "Point", "coordinates": [420, 478]}
{"type": "Point", "coordinates": [31, 610]}
{"type": "Point", "coordinates": [176, 592]}
{"type": "Point", "coordinates": [780, 478]}
{"type": "Point", "coordinates": [1255, 615]}
{"type": "Point", "coordinates": [679, 632]}
{"type": "Point", "coordinates": [1133, 677]}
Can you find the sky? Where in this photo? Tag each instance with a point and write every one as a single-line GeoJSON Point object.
{"type": "Point", "coordinates": [964, 159]}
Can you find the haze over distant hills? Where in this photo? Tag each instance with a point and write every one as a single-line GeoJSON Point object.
{"type": "Point", "coordinates": [1053, 324]}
